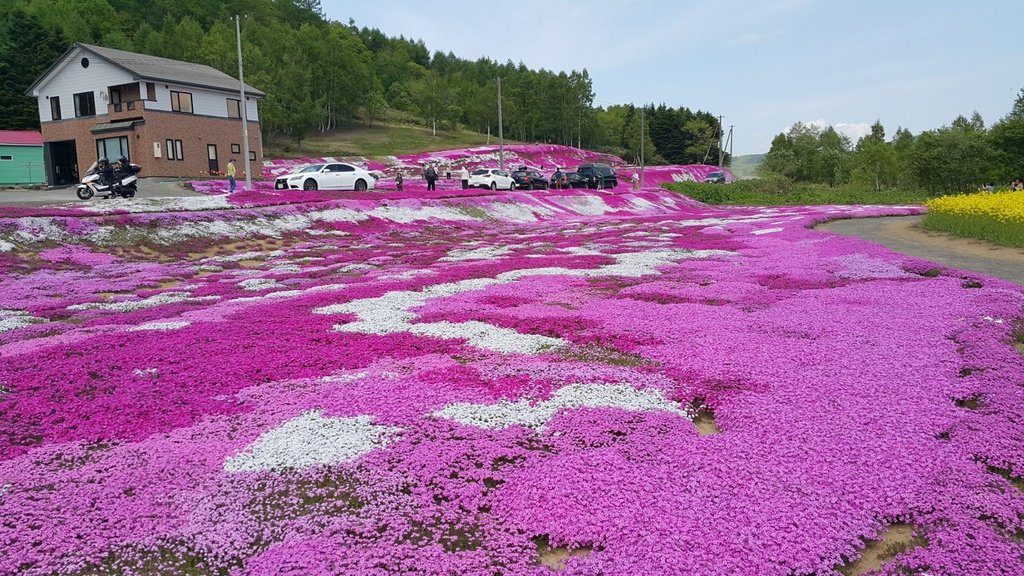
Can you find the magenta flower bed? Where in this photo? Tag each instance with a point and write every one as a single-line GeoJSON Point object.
{"type": "Point", "coordinates": [367, 385]}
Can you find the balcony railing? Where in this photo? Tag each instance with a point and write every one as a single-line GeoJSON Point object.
{"type": "Point", "coordinates": [126, 108]}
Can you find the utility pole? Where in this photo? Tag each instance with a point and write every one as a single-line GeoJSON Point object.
{"type": "Point", "coordinates": [729, 141]}
{"type": "Point", "coordinates": [642, 146]}
{"type": "Point", "coordinates": [719, 141]}
{"type": "Point", "coordinates": [245, 120]}
{"type": "Point", "coordinates": [501, 133]}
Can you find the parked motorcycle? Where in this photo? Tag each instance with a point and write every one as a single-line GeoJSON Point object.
{"type": "Point", "coordinates": [119, 183]}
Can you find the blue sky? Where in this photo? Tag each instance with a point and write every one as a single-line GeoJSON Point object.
{"type": "Point", "coordinates": [763, 65]}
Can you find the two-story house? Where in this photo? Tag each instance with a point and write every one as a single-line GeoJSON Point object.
{"type": "Point", "coordinates": [174, 118]}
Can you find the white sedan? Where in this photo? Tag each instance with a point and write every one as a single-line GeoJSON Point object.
{"type": "Point", "coordinates": [336, 176]}
{"type": "Point", "coordinates": [491, 178]}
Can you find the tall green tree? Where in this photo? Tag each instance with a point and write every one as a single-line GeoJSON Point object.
{"type": "Point", "coordinates": [27, 49]}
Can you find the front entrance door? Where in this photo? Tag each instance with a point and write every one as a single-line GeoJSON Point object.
{"type": "Point", "coordinates": [211, 153]}
{"type": "Point", "coordinates": [63, 162]}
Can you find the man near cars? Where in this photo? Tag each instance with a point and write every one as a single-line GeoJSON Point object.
{"type": "Point", "coordinates": [556, 178]}
{"type": "Point", "coordinates": [464, 176]}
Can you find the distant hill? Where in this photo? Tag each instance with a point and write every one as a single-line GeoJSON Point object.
{"type": "Point", "coordinates": [746, 166]}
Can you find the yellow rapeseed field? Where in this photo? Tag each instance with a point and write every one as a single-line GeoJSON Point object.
{"type": "Point", "coordinates": [998, 217]}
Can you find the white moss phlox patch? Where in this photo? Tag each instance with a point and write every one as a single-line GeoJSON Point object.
{"type": "Point", "coordinates": [536, 415]}
{"type": "Point", "coordinates": [309, 440]}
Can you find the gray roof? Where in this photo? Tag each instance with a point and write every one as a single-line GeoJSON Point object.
{"type": "Point", "coordinates": [153, 68]}
{"type": "Point", "coordinates": [145, 67]}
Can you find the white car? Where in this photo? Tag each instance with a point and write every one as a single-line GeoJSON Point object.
{"type": "Point", "coordinates": [334, 176]}
{"type": "Point", "coordinates": [491, 178]}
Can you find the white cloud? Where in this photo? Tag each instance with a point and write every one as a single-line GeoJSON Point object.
{"type": "Point", "coordinates": [854, 130]}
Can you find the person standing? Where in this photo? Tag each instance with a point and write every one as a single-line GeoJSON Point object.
{"type": "Point", "coordinates": [635, 179]}
{"type": "Point", "coordinates": [1017, 185]}
{"type": "Point", "coordinates": [556, 178]}
{"type": "Point", "coordinates": [399, 182]}
{"type": "Point", "coordinates": [230, 171]}
{"type": "Point", "coordinates": [464, 176]}
{"type": "Point", "coordinates": [431, 176]}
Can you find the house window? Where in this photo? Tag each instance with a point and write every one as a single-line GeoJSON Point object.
{"type": "Point", "coordinates": [236, 149]}
{"type": "Point", "coordinates": [85, 104]}
{"type": "Point", "coordinates": [181, 101]}
{"type": "Point", "coordinates": [55, 107]}
{"type": "Point", "coordinates": [151, 91]}
{"type": "Point", "coordinates": [112, 148]}
{"type": "Point", "coordinates": [175, 150]}
{"type": "Point", "coordinates": [252, 156]}
{"type": "Point", "coordinates": [234, 108]}
{"type": "Point", "coordinates": [6, 157]}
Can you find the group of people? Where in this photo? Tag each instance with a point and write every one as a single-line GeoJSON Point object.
{"type": "Point", "coordinates": [1016, 186]}
{"type": "Point", "coordinates": [431, 175]}
{"type": "Point", "coordinates": [107, 170]}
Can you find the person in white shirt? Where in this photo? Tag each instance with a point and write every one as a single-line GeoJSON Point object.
{"type": "Point", "coordinates": [464, 176]}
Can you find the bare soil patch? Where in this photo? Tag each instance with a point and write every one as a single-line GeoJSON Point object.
{"type": "Point", "coordinates": [896, 539]}
{"type": "Point", "coordinates": [555, 558]}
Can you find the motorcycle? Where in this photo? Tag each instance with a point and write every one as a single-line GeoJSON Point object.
{"type": "Point", "coordinates": [124, 184]}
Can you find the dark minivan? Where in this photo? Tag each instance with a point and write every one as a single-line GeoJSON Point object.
{"type": "Point", "coordinates": [598, 176]}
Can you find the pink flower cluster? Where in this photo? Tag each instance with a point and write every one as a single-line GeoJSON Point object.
{"type": "Point", "coordinates": [433, 386]}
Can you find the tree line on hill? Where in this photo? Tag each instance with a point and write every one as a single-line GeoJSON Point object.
{"type": "Point", "coordinates": [959, 157]}
{"type": "Point", "coordinates": [320, 74]}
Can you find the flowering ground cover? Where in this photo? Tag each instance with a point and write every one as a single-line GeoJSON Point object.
{"type": "Point", "coordinates": [996, 218]}
{"type": "Point", "coordinates": [516, 384]}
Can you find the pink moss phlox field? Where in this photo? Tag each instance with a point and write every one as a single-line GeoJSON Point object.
{"type": "Point", "coordinates": [369, 385]}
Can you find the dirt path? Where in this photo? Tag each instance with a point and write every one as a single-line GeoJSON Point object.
{"type": "Point", "coordinates": [904, 234]}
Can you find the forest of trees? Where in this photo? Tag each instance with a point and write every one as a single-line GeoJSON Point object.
{"type": "Point", "coordinates": [320, 74]}
{"type": "Point", "coordinates": [955, 158]}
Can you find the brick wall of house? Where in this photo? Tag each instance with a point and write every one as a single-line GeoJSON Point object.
{"type": "Point", "coordinates": [195, 133]}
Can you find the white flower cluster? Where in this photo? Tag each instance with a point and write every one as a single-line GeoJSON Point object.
{"type": "Point", "coordinates": [147, 373]}
{"type": "Point", "coordinates": [392, 313]}
{"type": "Point", "coordinates": [6, 246]}
{"type": "Point", "coordinates": [257, 284]}
{"type": "Point", "coordinates": [310, 439]}
{"type": "Point", "coordinates": [484, 253]}
{"type": "Point", "coordinates": [162, 326]}
{"type": "Point", "coordinates": [160, 204]}
{"type": "Point", "coordinates": [766, 231]}
{"type": "Point", "coordinates": [524, 413]}
{"type": "Point", "coordinates": [14, 319]}
{"type": "Point", "coordinates": [151, 302]}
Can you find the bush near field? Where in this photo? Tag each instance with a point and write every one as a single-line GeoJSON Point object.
{"type": "Point", "coordinates": [780, 191]}
{"type": "Point", "coordinates": [997, 217]}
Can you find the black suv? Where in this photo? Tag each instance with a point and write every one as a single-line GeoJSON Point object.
{"type": "Point", "coordinates": [598, 176]}
{"type": "Point", "coordinates": [529, 179]}
{"type": "Point", "coordinates": [563, 180]}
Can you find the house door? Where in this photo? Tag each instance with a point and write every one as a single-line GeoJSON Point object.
{"type": "Point", "coordinates": [211, 153]}
{"type": "Point", "coordinates": [63, 166]}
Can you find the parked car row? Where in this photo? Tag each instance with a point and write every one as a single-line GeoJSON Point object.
{"type": "Point", "coordinates": [344, 176]}
{"type": "Point", "coordinates": [595, 176]}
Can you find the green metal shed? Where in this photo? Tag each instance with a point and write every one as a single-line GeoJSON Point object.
{"type": "Point", "coordinates": [21, 158]}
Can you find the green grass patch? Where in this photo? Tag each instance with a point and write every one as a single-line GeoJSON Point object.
{"type": "Point", "coordinates": [776, 191]}
{"type": "Point", "coordinates": [1005, 233]}
{"type": "Point", "coordinates": [377, 140]}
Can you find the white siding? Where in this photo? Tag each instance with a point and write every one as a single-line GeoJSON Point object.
{"type": "Point", "coordinates": [204, 102]}
{"type": "Point", "coordinates": [70, 78]}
